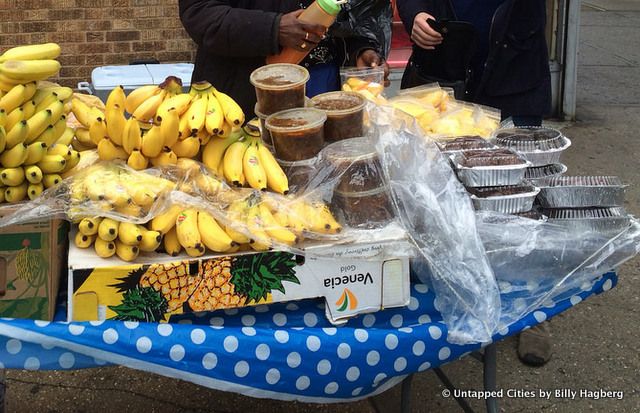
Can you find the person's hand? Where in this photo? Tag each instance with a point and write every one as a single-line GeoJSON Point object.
{"type": "Point", "coordinates": [297, 34]}
{"type": "Point", "coordinates": [371, 58]}
{"type": "Point", "coordinates": [422, 34]}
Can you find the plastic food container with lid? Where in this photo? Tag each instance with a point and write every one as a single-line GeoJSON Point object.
{"type": "Point", "coordinates": [279, 87]}
{"type": "Point", "coordinates": [358, 164]}
{"type": "Point", "coordinates": [297, 134]}
{"type": "Point", "coordinates": [345, 114]}
{"type": "Point", "coordinates": [367, 210]}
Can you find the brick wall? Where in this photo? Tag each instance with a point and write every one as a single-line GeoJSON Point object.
{"type": "Point", "coordinates": [97, 32]}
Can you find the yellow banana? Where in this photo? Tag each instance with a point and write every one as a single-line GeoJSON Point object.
{"type": "Point", "coordinates": [215, 117]}
{"type": "Point", "coordinates": [83, 241]}
{"type": "Point", "coordinates": [32, 52]}
{"type": "Point", "coordinates": [180, 103]}
{"type": "Point", "coordinates": [277, 180]}
{"type": "Point", "coordinates": [35, 152]}
{"type": "Point", "coordinates": [203, 136]}
{"type": "Point", "coordinates": [61, 150]}
{"type": "Point", "coordinates": [14, 157]}
{"type": "Point", "coordinates": [98, 130]}
{"type": "Point", "coordinates": [2, 191]}
{"type": "Point", "coordinates": [212, 234]}
{"type": "Point", "coordinates": [233, 164]}
{"type": "Point", "coordinates": [13, 99]}
{"type": "Point", "coordinates": [261, 239]}
{"type": "Point", "coordinates": [183, 126]}
{"type": "Point", "coordinates": [28, 109]}
{"type": "Point", "coordinates": [187, 148]}
{"type": "Point", "coordinates": [167, 220]}
{"type": "Point", "coordinates": [252, 167]}
{"type": "Point", "coordinates": [34, 190]}
{"type": "Point", "coordinates": [12, 176]}
{"type": "Point", "coordinates": [3, 118]}
{"type": "Point", "coordinates": [115, 100]}
{"type": "Point", "coordinates": [166, 157]}
{"type": "Point", "coordinates": [17, 134]}
{"type": "Point", "coordinates": [107, 151]}
{"type": "Point", "coordinates": [38, 123]}
{"type": "Point", "coordinates": [82, 135]}
{"type": "Point", "coordinates": [197, 113]}
{"type": "Point", "coordinates": [33, 174]}
{"type": "Point", "coordinates": [52, 97]}
{"type": "Point", "coordinates": [131, 136]}
{"type": "Point", "coordinates": [232, 111]}
{"type": "Point", "coordinates": [115, 121]}
{"type": "Point", "coordinates": [275, 230]}
{"type": "Point", "coordinates": [58, 128]}
{"type": "Point", "coordinates": [3, 139]}
{"type": "Point", "coordinates": [169, 127]}
{"type": "Point", "coordinates": [152, 142]}
{"type": "Point", "coordinates": [89, 226]}
{"type": "Point", "coordinates": [42, 93]}
{"type": "Point", "coordinates": [138, 96]}
{"type": "Point", "coordinates": [137, 160]}
{"type": "Point", "coordinates": [51, 164]}
{"type": "Point", "coordinates": [195, 252]}
{"type": "Point", "coordinates": [171, 244]}
{"type": "Point", "coordinates": [13, 117]}
{"type": "Point", "coordinates": [187, 228]}
{"type": "Point", "coordinates": [66, 138]}
{"type": "Point", "coordinates": [147, 109]}
{"type": "Point", "coordinates": [64, 93]}
{"type": "Point", "coordinates": [48, 137]}
{"type": "Point", "coordinates": [129, 234]}
{"type": "Point", "coordinates": [57, 110]}
{"type": "Point", "coordinates": [126, 252]}
{"type": "Point", "coordinates": [82, 112]}
{"type": "Point", "coordinates": [50, 180]}
{"type": "Point", "coordinates": [16, 193]}
{"type": "Point", "coordinates": [29, 90]}
{"type": "Point", "coordinates": [108, 229]}
{"type": "Point", "coordinates": [226, 130]}
{"type": "Point", "coordinates": [236, 215]}
{"type": "Point", "coordinates": [104, 249]}
{"type": "Point", "coordinates": [72, 161]}
{"type": "Point", "coordinates": [213, 152]}
{"type": "Point", "coordinates": [150, 241]}
{"type": "Point", "coordinates": [30, 70]}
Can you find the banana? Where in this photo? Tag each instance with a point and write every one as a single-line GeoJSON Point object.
{"type": "Point", "coordinates": [14, 157]}
{"type": "Point", "coordinates": [274, 229]}
{"type": "Point", "coordinates": [15, 116]}
{"type": "Point", "coordinates": [195, 252]}
{"type": "Point", "coordinates": [64, 93]}
{"type": "Point", "coordinates": [82, 112]}
{"type": "Point", "coordinates": [169, 127]}
{"type": "Point", "coordinates": [214, 151]}
{"type": "Point", "coordinates": [51, 164]}
{"type": "Point", "coordinates": [89, 226]}
{"type": "Point", "coordinates": [262, 242]}
{"type": "Point", "coordinates": [187, 148]}
{"type": "Point", "coordinates": [66, 138]}
{"type": "Point", "coordinates": [152, 142]}
{"type": "Point", "coordinates": [37, 124]}
{"type": "Point", "coordinates": [61, 150]}
{"type": "Point", "coordinates": [72, 161]}
{"type": "Point", "coordinates": [35, 152]}
{"type": "Point", "coordinates": [183, 126]}
{"type": "Point", "coordinates": [98, 130]}
{"type": "Point", "coordinates": [167, 220]}
{"type": "Point", "coordinates": [34, 190]}
{"type": "Point", "coordinates": [166, 157]}
{"type": "Point", "coordinates": [49, 99]}
{"type": "Point", "coordinates": [33, 174]}
{"type": "Point", "coordinates": [277, 180]}
{"type": "Point", "coordinates": [131, 210]}
{"type": "Point", "coordinates": [129, 234]}
{"type": "Point", "coordinates": [32, 52]}
{"type": "Point", "coordinates": [236, 214]}
{"type": "Point", "coordinates": [3, 139]}
{"type": "Point", "coordinates": [171, 244]}
{"type": "Point", "coordinates": [28, 109]}
{"type": "Point", "coordinates": [108, 229]}
{"type": "Point", "coordinates": [150, 241]}
{"type": "Point", "coordinates": [13, 99]}
{"type": "Point", "coordinates": [116, 122]}
{"type": "Point", "coordinates": [29, 90]}
{"type": "Point", "coordinates": [16, 193]}
{"type": "Point", "coordinates": [252, 167]}
{"type": "Point", "coordinates": [12, 176]}
{"type": "Point", "coordinates": [82, 135]}
{"type": "Point", "coordinates": [203, 136]}
{"type": "Point", "coordinates": [298, 222]}
{"type": "Point", "coordinates": [104, 249]}
{"type": "Point", "coordinates": [2, 191]}
{"type": "Point", "coordinates": [226, 130]}
{"type": "Point", "coordinates": [233, 162]}
{"type": "Point", "coordinates": [197, 114]}
{"type": "Point", "coordinates": [3, 117]}
{"type": "Point", "coordinates": [58, 128]}
{"type": "Point", "coordinates": [215, 117]}
{"type": "Point", "coordinates": [137, 160]}
{"type": "Point", "coordinates": [232, 111]}
{"type": "Point", "coordinates": [43, 93]}
{"type": "Point", "coordinates": [30, 70]}
{"type": "Point", "coordinates": [187, 228]}
{"type": "Point", "coordinates": [126, 252]}
{"type": "Point", "coordinates": [140, 95]}
{"type": "Point", "coordinates": [116, 100]}
{"type": "Point", "coordinates": [107, 151]}
{"type": "Point", "coordinates": [83, 241]}
{"type": "Point", "coordinates": [57, 110]}
{"type": "Point", "coordinates": [147, 109]}
{"type": "Point", "coordinates": [50, 180]}
{"type": "Point", "coordinates": [48, 137]}
{"type": "Point", "coordinates": [212, 234]}
{"type": "Point", "coordinates": [180, 103]}
{"type": "Point", "coordinates": [131, 136]}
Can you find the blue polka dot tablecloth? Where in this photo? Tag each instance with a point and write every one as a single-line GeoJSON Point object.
{"type": "Point", "coordinates": [281, 351]}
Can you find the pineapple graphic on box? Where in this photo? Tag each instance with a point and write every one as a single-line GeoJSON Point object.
{"type": "Point", "coordinates": [153, 293]}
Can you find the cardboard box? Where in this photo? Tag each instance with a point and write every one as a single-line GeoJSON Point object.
{"type": "Point", "coordinates": [31, 260]}
{"type": "Point", "coordinates": [353, 279]}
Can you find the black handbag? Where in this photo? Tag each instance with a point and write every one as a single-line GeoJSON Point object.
{"type": "Point", "coordinates": [449, 64]}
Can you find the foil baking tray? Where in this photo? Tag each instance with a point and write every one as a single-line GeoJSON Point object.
{"type": "Point", "coordinates": [533, 214]}
{"type": "Point", "coordinates": [505, 199]}
{"type": "Point", "coordinates": [530, 139]}
{"type": "Point", "coordinates": [608, 221]}
{"type": "Point", "coordinates": [538, 173]}
{"type": "Point", "coordinates": [490, 175]}
{"type": "Point", "coordinates": [464, 143]}
{"type": "Point", "coordinates": [581, 191]}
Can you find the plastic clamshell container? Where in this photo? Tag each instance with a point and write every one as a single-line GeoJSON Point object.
{"type": "Point", "coordinates": [504, 199]}
{"type": "Point", "coordinates": [297, 134]}
{"type": "Point", "coordinates": [607, 221]}
{"type": "Point", "coordinates": [345, 114]}
{"type": "Point", "coordinates": [369, 209]}
{"type": "Point", "coordinates": [279, 87]}
{"type": "Point", "coordinates": [357, 79]}
{"type": "Point", "coordinates": [358, 163]}
{"type": "Point", "coordinates": [581, 192]}
{"type": "Point", "coordinates": [489, 174]}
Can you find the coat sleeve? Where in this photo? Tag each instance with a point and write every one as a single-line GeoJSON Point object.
{"type": "Point", "coordinates": [224, 30]}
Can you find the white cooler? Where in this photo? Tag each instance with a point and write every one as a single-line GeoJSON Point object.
{"type": "Point", "coordinates": [105, 78]}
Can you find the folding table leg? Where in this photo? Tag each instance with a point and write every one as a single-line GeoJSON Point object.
{"type": "Point", "coordinates": [489, 375]}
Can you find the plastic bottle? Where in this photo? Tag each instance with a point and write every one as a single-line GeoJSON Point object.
{"type": "Point", "coordinates": [322, 12]}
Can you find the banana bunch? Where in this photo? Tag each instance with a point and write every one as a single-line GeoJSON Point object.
{"type": "Point", "coordinates": [114, 189]}
{"type": "Point", "coordinates": [243, 160]}
{"type": "Point", "coordinates": [34, 139]}
{"type": "Point", "coordinates": [110, 237]}
{"type": "Point", "coordinates": [27, 64]}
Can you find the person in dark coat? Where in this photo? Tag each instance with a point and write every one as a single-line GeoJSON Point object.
{"type": "Point", "coordinates": [235, 36]}
{"type": "Point", "coordinates": [510, 66]}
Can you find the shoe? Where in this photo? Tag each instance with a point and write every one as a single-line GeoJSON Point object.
{"type": "Point", "coordinates": [534, 346]}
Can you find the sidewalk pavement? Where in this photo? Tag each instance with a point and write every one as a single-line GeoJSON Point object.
{"type": "Point", "coordinates": [595, 344]}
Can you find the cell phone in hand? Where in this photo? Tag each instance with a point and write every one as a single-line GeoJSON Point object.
{"type": "Point", "coordinates": [437, 25]}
